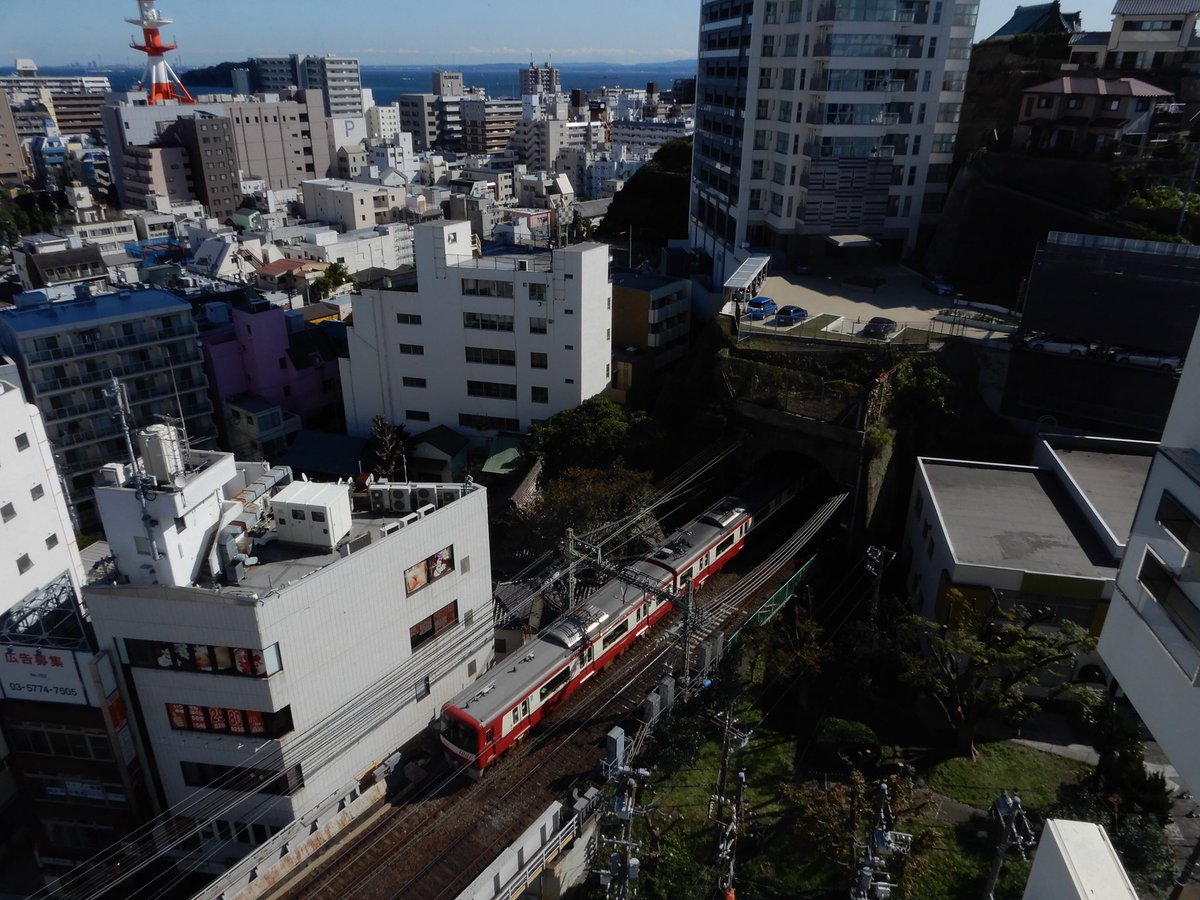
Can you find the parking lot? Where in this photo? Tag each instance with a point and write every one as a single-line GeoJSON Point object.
{"type": "Point", "coordinates": [840, 310]}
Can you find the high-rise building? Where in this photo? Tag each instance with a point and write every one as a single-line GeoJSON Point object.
{"type": "Point", "coordinates": [12, 161]}
{"type": "Point", "coordinates": [338, 76]}
{"type": "Point", "coordinates": [822, 119]}
{"type": "Point", "coordinates": [539, 81]}
{"type": "Point", "coordinates": [488, 125]}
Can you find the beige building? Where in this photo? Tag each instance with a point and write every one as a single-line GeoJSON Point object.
{"type": "Point", "coordinates": [12, 160]}
{"type": "Point", "coordinates": [488, 125]}
{"type": "Point", "coordinates": [165, 171]}
{"type": "Point", "coordinates": [283, 143]}
{"type": "Point", "coordinates": [353, 204]}
{"type": "Point", "coordinates": [1086, 115]}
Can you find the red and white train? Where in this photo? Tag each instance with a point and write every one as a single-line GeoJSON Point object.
{"type": "Point", "coordinates": [492, 715]}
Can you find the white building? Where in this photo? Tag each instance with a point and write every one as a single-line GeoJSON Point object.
{"type": "Point", "coordinates": [383, 124]}
{"type": "Point", "coordinates": [280, 638]}
{"type": "Point", "coordinates": [34, 522]}
{"type": "Point", "coordinates": [647, 135]}
{"type": "Point", "coordinates": [353, 204]}
{"type": "Point", "coordinates": [1077, 861]}
{"type": "Point", "coordinates": [381, 247]}
{"type": "Point", "coordinates": [810, 125]}
{"type": "Point", "coordinates": [398, 154]}
{"type": "Point", "coordinates": [1151, 638]}
{"type": "Point", "coordinates": [485, 344]}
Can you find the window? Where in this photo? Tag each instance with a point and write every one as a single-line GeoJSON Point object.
{"type": "Point", "coordinates": [537, 325]}
{"type": "Point", "coordinates": [408, 319]}
{"type": "Point", "coordinates": [1074, 103]}
{"type": "Point", "coordinates": [479, 287]}
{"type": "Point", "coordinates": [24, 564]}
{"type": "Point", "coordinates": [37, 492]}
{"type": "Point", "coordinates": [416, 415]}
{"type": "Point", "coordinates": [22, 440]}
{"type": "Point", "coordinates": [487, 321]}
{"type": "Point", "coordinates": [1178, 522]}
{"type": "Point", "coordinates": [613, 636]}
{"type": "Point", "coordinates": [1112, 105]}
{"type": "Point", "coordinates": [422, 688]}
{"type": "Point", "coordinates": [1161, 585]}
{"type": "Point", "coordinates": [243, 778]}
{"type": "Point", "coordinates": [538, 361]}
{"type": "Point", "coordinates": [537, 292]}
{"type": "Point", "coordinates": [539, 394]}
{"type": "Point", "coordinates": [492, 389]}
{"type": "Point", "coordinates": [45, 739]}
{"type": "Point", "coordinates": [239, 661]}
{"type": "Point", "coordinates": [220, 720]}
{"type": "Point", "coordinates": [7, 512]}
{"type": "Point", "coordinates": [555, 684]}
{"type": "Point", "coordinates": [51, 541]}
{"type": "Point", "coordinates": [491, 356]}
{"type": "Point", "coordinates": [432, 626]}
{"type": "Point", "coordinates": [412, 382]}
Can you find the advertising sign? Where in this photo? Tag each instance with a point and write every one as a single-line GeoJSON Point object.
{"type": "Point", "coordinates": [38, 673]}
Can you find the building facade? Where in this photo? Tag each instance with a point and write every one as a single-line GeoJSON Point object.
{"type": "Point", "coordinates": [485, 344]}
{"type": "Point", "coordinates": [813, 120]}
{"type": "Point", "coordinates": [542, 80]}
{"type": "Point", "coordinates": [257, 716]}
{"type": "Point", "coordinates": [1151, 638]}
{"type": "Point", "coordinates": [68, 354]}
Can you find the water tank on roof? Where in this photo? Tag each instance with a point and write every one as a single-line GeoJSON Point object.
{"type": "Point", "coordinates": [162, 453]}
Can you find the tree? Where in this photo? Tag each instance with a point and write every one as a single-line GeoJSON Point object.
{"type": "Point", "coordinates": [655, 200]}
{"type": "Point", "coordinates": [390, 447]}
{"type": "Point", "coordinates": [584, 499]}
{"type": "Point", "coordinates": [594, 435]}
{"type": "Point", "coordinates": [974, 669]}
{"type": "Point", "coordinates": [330, 280]}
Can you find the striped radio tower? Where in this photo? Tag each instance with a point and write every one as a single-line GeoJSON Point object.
{"type": "Point", "coordinates": [159, 81]}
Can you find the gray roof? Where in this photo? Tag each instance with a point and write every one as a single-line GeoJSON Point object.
{"type": "Point", "coordinates": [1089, 38]}
{"type": "Point", "coordinates": [590, 209]}
{"type": "Point", "coordinates": [1156, 7]}
{"type": "Point", "coordinates": [1014, 518]}
{"type": "Point", "coordinates": [1112, 483]}
{"type": "Point", "coordinates": [1098, 87]}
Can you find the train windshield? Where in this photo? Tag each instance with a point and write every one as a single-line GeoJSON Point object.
{"type": "Point", "coordinates": [459, 734]}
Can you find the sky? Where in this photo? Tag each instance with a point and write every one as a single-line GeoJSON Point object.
{"type": "Point", "coordinates": [60, 32]}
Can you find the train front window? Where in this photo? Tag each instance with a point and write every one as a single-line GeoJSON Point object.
{"type": "Point", "coordinates": [459, 734]}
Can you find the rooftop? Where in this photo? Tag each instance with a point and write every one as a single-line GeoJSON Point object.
{"type": "Point", "coordinates": [1155, 7]}
{"type": "Point", "coordinates": [72, 313]}
{"type": "Point", "coordinates": [1098, 87]}
{"type": "Point", "coordinates": [1014, 517]}
{"type": "Point", "coordinates": [1112, 483]}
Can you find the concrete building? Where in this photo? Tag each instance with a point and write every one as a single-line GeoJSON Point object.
{"type": "Point", "coordinates": [383, 124]}
{"type": "Point", "coordinates": [26, 80]}
{"type": "Point", "coordinates": [353, 204]}
{"type": "Point", "coordinates": [647, 135]}
{"type": "Point", "coordinates": [281, 140]}
{"type": "Point", "coordinates": [813, 125]}
{"type": "Point", "coordinates": [13, 170]}
{"type": "Point", "coordinates": [396, 154]}
{"type": "Point", "coordinates": [488, 125]}
{"type": "Point", "coordinates": [45, 261]}
{"type": "Point", "coordinates": [337, 77]}
{"type": "Point", "coordinates": [242, 700]}
{"type": "Point", "coordinates": [484, 344]}
{"type": "Point", "coordinates": [538, 142]}
{"type": "Point", "coordinates": [387, 246]}
{"type": "Point", "coordinates": [1151, 638]}
{"type": "Point", "coordinates": [1051, 534]}
{"type": "Point", "coordinates": [162, 171]}
{"type": "Point", "coordinates": [1088, 115]}
{"type": "Point", "coordinates": [69, 352]}
{"type": "Point", "coordinates": [539, 81]}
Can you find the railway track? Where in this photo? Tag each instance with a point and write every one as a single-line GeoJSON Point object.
{"type": "Point", "coordinates": [434, 846]}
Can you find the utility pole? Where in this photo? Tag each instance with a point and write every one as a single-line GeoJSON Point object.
{"type": "Point", "coordinates": [688, 624]}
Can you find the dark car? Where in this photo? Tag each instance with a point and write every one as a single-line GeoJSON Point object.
{"type": "Point", "coordinates": [790, 315]}
{"type": "Point", "coordinates": [879, 328]}
{"type": "Point", "coordinates": [760, 308]}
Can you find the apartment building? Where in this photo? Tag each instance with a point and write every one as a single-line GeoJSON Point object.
{"type": "Point", "coordinates": [337, 77]}
{"type": "Point", "coordinates": [383, 123]}
{"type": "Point", "coordinates": [485, 343]}
{"type": "Point", "coordinates": [1151, 638]}
{"type": "Point", "coordinates": [13, 169]}
{"type": "Point", "coordinates": [535, 80]}
{"type": "Point", "coordinates": [68, 353]}
{"type": "Point", "coordinates": [353, 205]}
{"type": "Point", "coordinates": [488, 125]}
{"type": "Point", "coordinates": [821, 119]}
{"type": "Point", "coordinates": [162, 171]}
{"type": "Point", "coordinates": [242, 700]}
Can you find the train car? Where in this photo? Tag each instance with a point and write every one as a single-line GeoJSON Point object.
{"type": "Point", "coordinates": [496, 712]}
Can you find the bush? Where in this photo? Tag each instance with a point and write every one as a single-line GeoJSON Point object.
{"type": "Point", "coordinates": [844, 743]}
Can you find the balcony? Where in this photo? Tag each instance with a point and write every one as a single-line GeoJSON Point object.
{"type": "Point", "coordinates": [102, 374]}
{"type": "Point", "coordinates": [74, 410]}
{"type": "Point", "coordinates": [82, 348]}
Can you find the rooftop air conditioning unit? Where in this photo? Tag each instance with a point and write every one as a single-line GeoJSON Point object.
{"type": "Point", "coordinates": [380, 501]}
{"type": "Point", "coordinates": [423, 511]}
{"type": "Point", "coordinates": [424, 496]}
{"type": "Point", "coordinates": [401, 499]}
{"type": "Point", "coordinates": [448, 495]}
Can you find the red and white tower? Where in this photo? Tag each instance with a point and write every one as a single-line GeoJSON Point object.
{"type": "Point", "coordinates": [159, 81]}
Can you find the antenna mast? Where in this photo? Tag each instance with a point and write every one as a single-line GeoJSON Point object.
{"type": "Point", "coordinates": [159, 80]}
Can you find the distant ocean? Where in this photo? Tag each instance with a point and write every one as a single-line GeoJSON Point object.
{"type": "Point", "coordinates": [387, 82]}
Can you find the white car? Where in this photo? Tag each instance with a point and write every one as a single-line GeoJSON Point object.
{"type": "Point", "coordinates": [1150, 360]}
{"type": "Point", "coordinates": [1060, 345]}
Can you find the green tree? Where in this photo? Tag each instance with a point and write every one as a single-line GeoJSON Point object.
{"type": "Point", "coordinates": [584, 499]}
{"type": "Point", "coordinates": [1162, 196]}
{"type": "Point", "coordinates": [596, 434]}
{"type": "Point", "coordinates": [330, 280]}
{"type": "Point", "coordinates": [986, 665]}
{"type": "Point", "coordinates": [655, 200]}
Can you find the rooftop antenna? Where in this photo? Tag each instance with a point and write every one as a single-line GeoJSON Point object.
{"type": "Point", "coordinates": [118, 400]}
{"type": "Point", "coordinates": [159, 80]}
{"type": "Point", "coordinates": [187, 444]}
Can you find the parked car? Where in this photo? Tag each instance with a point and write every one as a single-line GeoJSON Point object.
{"type": "Point", "coordinates": [938, 285]}
{"type": "Point", "coordinates": [879, 328]}
{"type": "Point", "coordinates": [1062, 345]}
{"type": "Point", "coordinates": [760, 308]}
{"type": "Point", "coordinates": [790, 315]}
{"type": "Point", "coordinates": [1150, 360]}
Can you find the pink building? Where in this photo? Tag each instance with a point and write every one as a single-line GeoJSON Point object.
{"type": "Point", "coordinates": [270, 371]}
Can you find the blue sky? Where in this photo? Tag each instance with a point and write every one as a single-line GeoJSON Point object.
{"type": "Point", "coordinates": [56, 32]}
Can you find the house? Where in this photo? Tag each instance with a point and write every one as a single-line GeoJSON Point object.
{"type": "Point", "coordinates": [1076, 114]}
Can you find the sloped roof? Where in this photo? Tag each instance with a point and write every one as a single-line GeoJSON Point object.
{"type": "Point", "coordinates": [444, 438]}
{"type": "Point", "coordinates": [283, 266]}
{"type": "Point", "coordinates": [1042, 18]}
{"type": "Point", "coordinates": [1099, 87]}
{"type": "Point", "coordinates": [307, 347]}
{"type": "Point", "coordinates": [1156, 7]}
